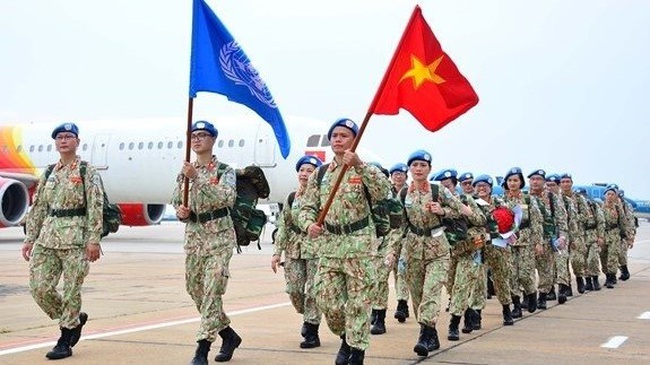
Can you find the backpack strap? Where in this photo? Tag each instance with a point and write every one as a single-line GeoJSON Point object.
{"type": "Point", "coordinates": [551, 201]}
{"type": "Point", "coordinates": [291, 198]}
{"type": "Point", "coordinates": [435, 192]}
{"type": "Point", "coordinates": [49, 170]}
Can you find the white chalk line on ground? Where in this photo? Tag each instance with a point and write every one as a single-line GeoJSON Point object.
{"type": "Point", "coordinates": [140, 329]}
{"type": "Point", "coordinates": [614, 342]}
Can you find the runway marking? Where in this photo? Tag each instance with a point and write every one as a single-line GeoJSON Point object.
{"type": "Point", "coordinates": [644, 315]}
{"type": "Point", "coordinates": [140, 329]}
{"type": "Point", "coordinates": [614, 342]}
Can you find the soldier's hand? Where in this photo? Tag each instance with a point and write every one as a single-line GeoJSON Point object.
{"type": "Point", "coordinates": [435, 208]}
{"type": "Point", "coordinates": [27, 251]}
{"type": "Point", "coordinates": [465, 210]}
{"type": "Point", "coordinates": [182, 212]}
{"type": "Point", "coordinates": [352, 159]}
{"type": "Point", "coordinates": [188, 170]}
{"type": "Point", "coordinates": [275, 261]}
{"type": "Point", "coordinates": [630, 243]}
{"type": "Point", "coordinates": [314, 230]}
{"type": "Point", "coordinates": [92, 252]}
{"type": "Point", "coordinates": [539, 249]}
{"type": "Point", "coordinates": [390, 260]}
{"type": "Point", "coordinates": [600, 242]}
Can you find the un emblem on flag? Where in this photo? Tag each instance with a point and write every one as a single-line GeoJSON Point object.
{"type": "Point", "coordinates": [237, 67]}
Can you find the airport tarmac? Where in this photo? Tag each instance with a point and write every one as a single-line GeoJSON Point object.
{"type": "Point", "coordinates": [140, 314]}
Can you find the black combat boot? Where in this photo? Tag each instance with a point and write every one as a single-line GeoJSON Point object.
{"type": "Point", "coordinates": [562, 293]}
{"type": "Point", "coordinates": [478, 319]}
{"type": "Point", "coordinates": [580, 282]}
{"type": "Point", "coordinates": [541, 301]}
{"type": "Point", "coordinates": [625, 273]}
{"type": "Point", "coordinates": [343, 356]}
{"type": "Point", "coordinates": [76, 332]}
{"type": "Point", "coordinates": [424, 342]}
{"type": "Point", "coordinates": [468, 320]}
{"type": "Point", "coordinates": [402, 311]}
{"type": "Point", "coordinates": [614, 279]}
{"type": "Point", "coordinates": [596, 283]}
{"type": "Point", "coordinates": [434, 341]}
{"type": "Point", "coordinates": [311, 337]}
{"type": "Point", "coordinates": [373, 316]}
{"type": "Point", "coordinates": [231, 341]}
{"type": "Point", "coordinates": [609, 283]}
{"type": "Point", "coordinates": [507, 315]}
{"type": "Point", "coordinates": [356, 356]}
{"type": "Point", "coordinates": [454, 335]}
{"type": "Point", "coordinates": [303, 330]}
{"type": "Point", "coordinates": [551, 294]}
{"type": "Point", "coordinates": [516, 307]}
{"type": "Point", "coordinates": [588, 285]}
{"type": "Point", "coordinates": [532, 302]}
{"type": "Point", "coordinates": [62, 349]}
{"type": "Point", "coordinates": [379, 327]}
{"type": "Point", "coordinates": [201, 354]}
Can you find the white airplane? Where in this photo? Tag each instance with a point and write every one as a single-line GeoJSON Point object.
{"type": "Point", "coordinates": [139, 159]}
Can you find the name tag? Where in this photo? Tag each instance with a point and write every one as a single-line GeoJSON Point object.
{"type": "Point", "coordinates": [214, 180]}
{"type": "Point", "coordinates": [437, 232]}
{"type": "Point", "coordinates": [354, 180]}
{"type": "Point", "coordinates": [75, 179]}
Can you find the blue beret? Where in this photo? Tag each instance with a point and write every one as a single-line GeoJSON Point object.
{"type": "Point", "coordinates": [582, 191]}
{"type": "Point", "coordinates": [399, 167]}
{"type": "Point", "coordinates": [539, 172]}
{"type": "Point", "coordinates": [343, 122]}
{"type": "Point", "coordinates": [465, 176]}
{"type": "Point", "coordinates": [419, 155]}
{"type": "Point", "coordinates": [621, 193]}
{"type": "Point", "coordinates": [553, 178]}
{"type": "Point", "coordinates": [202, 125]}
{"type": "Point", "coordinates": [566, 176]}
{"type": "Point", "coordinates": [312, 160]}
{"type": "Point", "coordinates": [613, 186]}
{"type": "Point", "coordinates": [66, 127]}
{"type": "Point", "coordinates": [446, 174]}
{"type": "Point", "coordinates": [511, 172]}
{"type": "Point", "coordinates": [484, 179]}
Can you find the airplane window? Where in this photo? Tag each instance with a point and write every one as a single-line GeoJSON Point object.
{"type": "Point", "coordinates": [313, 140]}
{"type": "Point", "coordinates": [160, 145]}
{"type": "Point", "coordinates": [121, 146]}
{"type": "Point", "coordinates": [231, 143]}
{"type": "Point", "coordinates": [131, 145]}
{"type": "Point", "coordinates": [180, 144]}
{"type": "Point", "coordinates": [325, 142]}
{"type": "Point", "coordinates": [85, 147]}
{"type": "Point", "coordinates": [170, 144]}
{"type": "Point", "coordinates": [241, 143]}
{"type": "Point", "coordinates": [140, 145]}
{"type": "Point", "coordinates": [31, 148]}
{"type": "Point", "coordinates": [150, 145]}
{"type": "Point", "coordinates": [49, 148]}
{"type": "Point", "coordinates": [40, 148]}
{"type": "Point", "coordinates": [220, 144]}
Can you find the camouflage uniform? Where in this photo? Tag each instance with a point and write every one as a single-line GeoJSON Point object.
{"type": "Point", "coordinates": [209, 243]}
{"type": "Point", "coordinates": [574, 239]}
{"type": "Point", "coordinates": [630, 232]}
{"type": "Point", "coordinates": [615, 228]}
{"type": "Point", "coordinates": [60, 239]}
{"type": "Point", "coordinates": [346, 270]}
{"type": "Point", "coordinates": [594, 231]}
{"type": "Point", "coordinates": [497, 258]}
{"type": "Point", "coordinates": [399, 274]}
{"type": "Point", "coordinates": [529, 233]}
{"type": "Point", "coordinates": [578, 245]}
{"type": "Point", "coordinates": [301, 261]}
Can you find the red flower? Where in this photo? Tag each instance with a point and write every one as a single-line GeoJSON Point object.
{"type": "Point", "coordinates": [505, 219]}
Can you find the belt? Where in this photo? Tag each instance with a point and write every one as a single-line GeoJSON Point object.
{"type": "Point", "coordinates": [590, 226]}
{"type": "Point", "coordinates": [422, 231]}
{"type": "Point", "coordinates": [615, 226]}
{"type": "Point", "coordinates": [523, 225]}
{"type": "Point", "coordinates": [296, 229]}
{"type": "Point", "coordinates": [68, 212]}
{"type": "Point", "coordinates": [208, 216]}
{"type": "Point", "coordinates": [348, 228]}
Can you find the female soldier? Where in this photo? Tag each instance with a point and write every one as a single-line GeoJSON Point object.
{"type": "Point", "coordinates": [615, 228]}
{"type": "Point", "coordinates": [427, 249]}
{"type": "Point", "coordinates": [300, 257]}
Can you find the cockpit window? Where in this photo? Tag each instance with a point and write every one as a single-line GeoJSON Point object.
{"type": "Point", "coordinates": [325, 142]}
{"type": "Point", "coordinates": [313, 140]}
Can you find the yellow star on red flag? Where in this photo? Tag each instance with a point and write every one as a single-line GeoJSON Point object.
{"type": "Point", "coordinates": [421, 72]}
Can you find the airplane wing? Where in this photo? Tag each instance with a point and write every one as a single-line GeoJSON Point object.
{"type": "Point", "coordinates": [27, 179]}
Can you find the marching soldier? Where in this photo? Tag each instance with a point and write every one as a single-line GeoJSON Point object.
{"type": "Point", "coordinates": [627, 243]}
{"type": "Point", "coordinates": [300, 257]}
{"type": "Point", "coordinates": [578, 246]}
{"type": "Point", "coordinates": [594, 240]}
{"type": "Point", "coordinates": [398, 175]}
{"type": "Point", "coordinates": [63, 233]}
{"type": "Point", "coordinates": [346, 270]}
{"type": "Point", "coordinates": [209, 240]}
{"type": "Point", "coordinates": [616, 228]}
{"type": "Point", "coordinates": [529, 239]}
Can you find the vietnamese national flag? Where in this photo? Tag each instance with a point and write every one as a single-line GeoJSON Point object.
{"type": "Point", "coordinates": [422, 79]}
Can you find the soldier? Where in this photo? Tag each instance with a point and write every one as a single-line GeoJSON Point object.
{"type": "Point", "coordinates": [616, 228]}
{"type": "Point", "coordinates": [555, 235]}
{"type": "Point", "coordinates": [63, 233]}
{"type": "Point", "coordinates": [300, 257]}
{"type": "Point", "coordinates": [465, 264]}
{"type": "Point", "coordinates": [398, 176]}
{"type": "Point", "coordinates": [529, 238]}
{"type": "Point", "coordinates": [578, 246]}
{"type": "Point", "coordinates": [594, 240]}
{"type": "Point", "coordinates": [496, 258]}
{"type": "Point", "coordinates": [628, 242]}
{"type": "Point", "coordinates": [562, 257]}
{"type": "Point", "coordinates": [209, 240]}
{"type": "Point", "coordinates": [426, 246]}
{"type": "Point", "coordinates": [346, 268]}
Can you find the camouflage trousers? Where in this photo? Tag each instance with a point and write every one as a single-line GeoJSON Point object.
{"type": "Point", "coordinates": [609, 253]}
{"type": "Point", "coordinates": [523, 271]}
{"type": "Point", "coordinates": [562, 273]}
{"type": "Point", "coordinates": [622, 255]}
{"type": "Point", "coordinates": [579, 256]}
{"type": "Point", "coordinates": [379, 294]}
{"type": "Point", "coordinates": [343, 289]}
{"type": "Point", "coordinates": [425, 279]}
{"type": "Point", "coordinates": [479, 290]}
{"type": "Point", "coordinates": [499, 259]}
{"type": "Point", "coordinates": [593, 253]}
{"type": "Point", "coordinates": [45, 269]}
{"type": "Point", "coordinates": [206, 279]}
{"type": "Point", "coordinates": [399, 273]}
{"type": "Point", "coordinates": [545, 263]}
{"type": "Point", "coordinates": [465, 277]}
{"type": "Point", "coordinates": [299, 275]}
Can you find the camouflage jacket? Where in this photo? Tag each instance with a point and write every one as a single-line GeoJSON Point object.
{"type": "Point", "coordinates": [491, 226]}
{"type": "Point", "coordinates": [349, 206]}
{"type": "Point", "coordinates": [628, 211]}
{"type": "Point", "coordinates": [531, 227]}
{"type": "Point", "coordinates": [64, 190]}
{"type": "Point", "coordinates": [555, 217]}
{"type": "Point", "coordinates": [290, 239]}
{"type": "Point", "coordinates": [574, 219]}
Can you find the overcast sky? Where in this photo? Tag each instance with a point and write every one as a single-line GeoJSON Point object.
{"type": "Point", "coordinates": [563, 85]}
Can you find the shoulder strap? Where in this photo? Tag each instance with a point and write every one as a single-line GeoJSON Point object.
{"type": "Point", "coordinates": [221, 168]}
{"type": "Point", "coordinates": [435, 192]}
{"type": "Point", "coordinates": [402, 194]}
{"type": "Point", "coordinates": [291, 198]}
{"type": "Point", "coordinates": [551, 201]}
{"type": "Point", "coordinates": [49, 170]}
{"type": "Point", "coordinates": [321, 173]}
